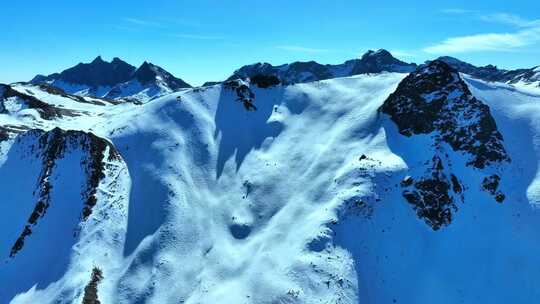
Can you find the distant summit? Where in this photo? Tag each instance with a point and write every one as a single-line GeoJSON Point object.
{"type": "Point", "coordinates": [115, 79]}
{"type": "Point", "coordinates": [98, 73]}
{"type": "Point", "coordinates": [147, 82]}
{"type": "Point", "coordinates": [492, 73]}
{"type": "Point", "coordinates": [298, 72]}
{"type": "Point", "coordinates": [381, 61]}
{"type": "Point", "coordinates": [150, 73]}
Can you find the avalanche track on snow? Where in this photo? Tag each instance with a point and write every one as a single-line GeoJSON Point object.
{"type": "Point", "coordinates": [195, 199]}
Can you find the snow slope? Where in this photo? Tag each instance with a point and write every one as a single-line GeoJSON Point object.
{"type": "Point", "coordinates": [297, 202]}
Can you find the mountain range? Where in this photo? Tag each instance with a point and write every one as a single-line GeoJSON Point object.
{"type": "Point", "coordinates": [371, 181]}
{"type": "Point", "coordinates": [114, 80]}
{"type": "Point", "coordinates": [118, 80]}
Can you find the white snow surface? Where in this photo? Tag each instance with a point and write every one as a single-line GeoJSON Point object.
{"type": "Point", "coordinates": [211, 203]}
{"type": "Point", "coordinates": [134, 90]}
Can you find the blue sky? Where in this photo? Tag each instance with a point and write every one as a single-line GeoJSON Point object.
{"type": "Point", "coordinates": [206, 40]}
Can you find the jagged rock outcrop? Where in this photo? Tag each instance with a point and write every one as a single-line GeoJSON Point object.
{"type": "Point", "coordinates": [150, 73]}
{"type": "Point", "coordinates": [243, 93]}
{"type": "Point", "coordinates": [434, 194]}
{"type": "Point", "coordinates": [491, 185]}
{"type": "Point", "coordinates": [265, 81]}
{"type": "Point", "coordinates": [91, 290]}
{"type": "Point", "coordinates": [435, 101]}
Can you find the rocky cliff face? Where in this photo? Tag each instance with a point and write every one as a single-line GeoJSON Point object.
{"type": "Point", "coordinates": [51, 147]}
{"type": "Point", "coordinates": [435, 101]}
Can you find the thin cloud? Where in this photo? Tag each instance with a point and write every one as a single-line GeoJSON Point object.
{"type": "Point", "coordinates": [526, 34]}
{"type": "Point", "coordinates": [142, 22]}
{"type": "Point", "coordinates": [510, 19]}
{"type": "Point", "coordinates": [457, 11]}
{"type": "Point", "coordinates": [124, 28]}
{"type": "Point", "coordinates": [296, 48]}
{"type": "Point", "coordinates": [198, 37]}
{"type": "Point", "coordinates": [502, 18]}
{"type": "Point", "coordinates": [486, 42]}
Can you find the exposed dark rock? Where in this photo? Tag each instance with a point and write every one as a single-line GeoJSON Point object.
{"type": "Point", "coordinates": [111, 80]}
{"type": "Point", "coordinates": [4, 134]}
{"type": "Point", "coordinates": [148, 73]}
{"type": "Point", "coordinates": [45, 110]}
{"type": "Point", "coordinates": [91, 289]}
{"type": "Point", "coordinates": [2, 106]}
{"type": "Point", "coordinates": [491, 185]}
{"type": "Point", "coordinates": [51, 146]}
{"type": "Point", "coordinates": [243, 93]}
{"type": "Point", "coordinates": [456, 186]}
{"type": "Point", "coordinates": [434, 99]}
{"type": "Point", "coordinates": [432, 196]}
{"type": "Point", "coordinates": [94, 74]}
{"type": "Point", "coordinates": [381, 61]}
{"type": "Point", "coordinates": [95, 168]}
{"type": "Point", "coordinates": [265, 81]}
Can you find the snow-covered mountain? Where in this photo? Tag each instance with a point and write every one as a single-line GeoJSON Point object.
{"type": "Point", "coordinates": [298, 72]}
{"type": "Point", "coordinates": [147, 82]}
{"type": "Point", "coordinates": [520, 77]}
{"type": "Point", "coordinates": [391, 187]}
{"type": "Point", "coordinates": [114, 80]}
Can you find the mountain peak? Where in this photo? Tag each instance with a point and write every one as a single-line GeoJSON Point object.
{"type": "Point", "coordinates": [97, 73]}
{"type": "Point", "coordinates": [378, 53]}
{"type": "Point", "coordinates": [146, 72]}
{"type": "Point", "coordinates": [98, 59]}
{"type": "Point", "coordinates": [380, 61]}
{"type": "Point", "coordinates": [117, 60]}
{"type": "Point", "coordinates": [297, 72]}
{"type": "Point", "coordinates": [435, 67]}
{"type": "Point", "coordinates": [451, 60]}
{"type": "Point", "coordinates": [149, 76]}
